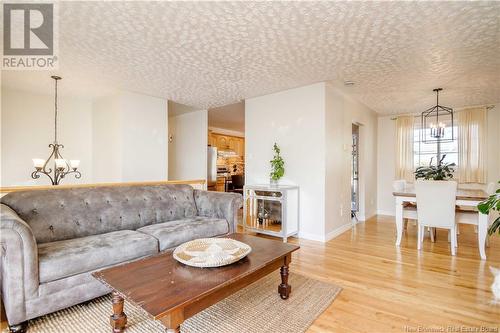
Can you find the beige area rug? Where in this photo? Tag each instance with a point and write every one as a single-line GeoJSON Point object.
{"type": "Point", "coordinates": [256, 308]}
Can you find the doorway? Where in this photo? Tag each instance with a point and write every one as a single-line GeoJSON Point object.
{"type": "Point", "coordinates": [226, 148]}
{"type": "Point", "coordinates": [355, 172]}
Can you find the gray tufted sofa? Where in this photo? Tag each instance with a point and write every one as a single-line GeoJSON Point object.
{"type": "Point", "coordinates": [51, 240]}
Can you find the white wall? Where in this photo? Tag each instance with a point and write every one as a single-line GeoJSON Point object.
{"type": "Point", "coordinates": [130, 138]}
{"type": "Point", "coordinates": [117, 138]}
{"type": "Point", "coordinates": [294, 119]}
{"type": "Point", "coordinates": [386, 156]}
{"type": "Point", "coordinates": [386, 163]}
{"type": "Point", "coordinates": [187, 153]}
{"type": "Point", "coordinates": [106, 140]}
{"type": "Point", "coordinates": [337, 157]}
{"type": "Point", "coordinates": [341, 112]}
{"type": "Point", "coordinates": [313, 127]}
{"type": "Point", "coordinates": [145, 132]}
{"type": "Point", "coordinates": [27, 128]}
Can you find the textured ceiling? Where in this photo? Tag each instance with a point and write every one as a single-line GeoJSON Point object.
{"type": "Point", "coordinates": [209, 54]}
{"type": "Point", "coordinates": [229, 117]}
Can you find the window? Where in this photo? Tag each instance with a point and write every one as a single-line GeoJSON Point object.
{"type": "Point", "coordinates": [424, 152]}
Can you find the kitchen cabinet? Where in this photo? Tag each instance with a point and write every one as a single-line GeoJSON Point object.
{"type": "Point", "coordinates": [237, 145]}
{"type": "Point", "coordinates": [222, 142]}
{"type": "Point", "coordinates": [227, 142]}
{"type": "Point", "coordinates": [221, 184]}
{"type": "Point", "coordinates": [212, 140]}
{"type": "Point", "coordinates": [233, 144]}
{"type": "Point", "coordinates": [241, 148]}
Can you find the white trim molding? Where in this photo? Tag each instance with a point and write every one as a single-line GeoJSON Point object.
{"type": "Point", "coordinates": [329, 236]}
{"type": "Point", "coordinates": [385, 212]}
{"type": "Point", "coordinates": [338, 231]}
{"type": "Point", "coordinates": [223, 131]}
{"type": "Point", "coordinates": [309, 236]}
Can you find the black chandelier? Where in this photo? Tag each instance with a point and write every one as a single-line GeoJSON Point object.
{"type": "Point", "coordinates": [61, 166]}
{"type": "Point", "coordinates": [434, 122]}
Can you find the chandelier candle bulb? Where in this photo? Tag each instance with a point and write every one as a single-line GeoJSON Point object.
{"type": "Point", "coordinates": [433, 129]}
{"type": "Point", "coordinates": [441, 129]}
{"type": "Point", "coordinates": [60, 164]}
{"type": "Point", "coordinates": [38, 163]}
{"type": "Point", "coordinates": [74, 164]}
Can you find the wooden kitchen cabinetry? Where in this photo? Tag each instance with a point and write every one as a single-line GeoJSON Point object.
{"type": "Point", "coordinates": [227, 142]}
{"type": "Point", "coordinates": [222, 142]}
{"type": "Point", "coordinates": [212, 140]}
{"type": "Point", "coordinates": [221, 184]}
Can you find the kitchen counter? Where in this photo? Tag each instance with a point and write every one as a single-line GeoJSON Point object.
{"type": "Point", "coordinates": [223, 182]}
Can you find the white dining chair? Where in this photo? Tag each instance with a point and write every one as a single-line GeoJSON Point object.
{"type": "Point", "coordinates": [471, 216]}
{"type": "Point", "coordinates": [409, 211]}
{"type": "Point", "coordinates": [436, 208]}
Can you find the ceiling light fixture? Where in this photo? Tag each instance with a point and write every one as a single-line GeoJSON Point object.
{"type": "Point", "coordinates": [434, 122]}
{"type": "Point", "coordinates": [348, 83]}
{"type": "Point", "coordinates": [61, 166]}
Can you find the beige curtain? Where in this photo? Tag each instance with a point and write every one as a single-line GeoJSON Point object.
{"type": "Point", "coordinates": [404, 148]}
{"type": "Point", "coordinates": [472, 145]}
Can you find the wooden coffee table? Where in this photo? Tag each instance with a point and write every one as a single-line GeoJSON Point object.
{"type": "Point", "coordinates": [172, 292]}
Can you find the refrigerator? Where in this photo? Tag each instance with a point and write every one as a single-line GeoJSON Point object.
{"type": "Point", "coordinates": [211, 166]}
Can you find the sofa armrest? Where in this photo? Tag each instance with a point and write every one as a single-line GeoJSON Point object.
{"type": "Point", "coordinates": [220, 205]}
{"type": "Point", "coordinates": [19, 264]}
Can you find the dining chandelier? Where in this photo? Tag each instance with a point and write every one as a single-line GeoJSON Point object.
{"type": "Point", "coordinates": [61, 167]}
{"type": "Point", "coordinates": [435, 121]}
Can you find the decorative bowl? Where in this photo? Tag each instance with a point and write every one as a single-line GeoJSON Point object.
{"type": "Point", "coordinates": [211, 252]}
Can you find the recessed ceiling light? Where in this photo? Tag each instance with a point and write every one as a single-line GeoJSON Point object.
{"type": "Point", "coordinates": [348, 83]}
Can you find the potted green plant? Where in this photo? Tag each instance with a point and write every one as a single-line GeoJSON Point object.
{"type": "Point", "coordinates": [490, 204]}
{"type": "Point", "coordinates": [441, 171]}
{"type": "Point", "coordinates": [277, 166]}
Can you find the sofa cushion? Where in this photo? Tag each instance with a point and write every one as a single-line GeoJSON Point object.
{"type": "Point", "coordinates": [69, 257]}
{"type": "Point", "coordinates": [61, 214]}
{"type": "Point", "coordinates": [173, 233]}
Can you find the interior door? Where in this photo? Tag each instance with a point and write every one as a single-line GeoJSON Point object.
{"type": "Point", "coordinates": [355, 170]}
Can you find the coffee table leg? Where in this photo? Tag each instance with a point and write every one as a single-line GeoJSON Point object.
{"type": "Point", "coordinates": [118, 319]}
{"type": "Point", "coordinates": [284, 289]}
{"type": "Point", "coordinates": [172, 330]}
{"type": "Point", "coordinates": [173, 321]}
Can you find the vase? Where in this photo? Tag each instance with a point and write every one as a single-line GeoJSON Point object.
{"type": "Point", "coordinates": [273, 182]}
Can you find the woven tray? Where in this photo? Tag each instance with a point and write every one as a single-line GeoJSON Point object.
{"type": "Point", "coordinates": [211, 252]}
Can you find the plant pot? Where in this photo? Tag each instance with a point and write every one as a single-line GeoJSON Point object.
{"type": "Point", "coordinates": [273, 182]}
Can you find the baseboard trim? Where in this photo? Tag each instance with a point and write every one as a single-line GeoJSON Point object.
{"type": "Point", "coordinates": [337, 232]}
{"type": "Point", "coordinates": [371, 216]}
{"type": "Point", "coordinates": [385, 212]}
{"type": "Point", "coordinates": [309, 236]}
{"type": "Point", "coordinates": [329, 236]}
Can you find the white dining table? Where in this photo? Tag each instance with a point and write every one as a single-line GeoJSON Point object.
{"type": "Point", "coordinates": [469, 198]}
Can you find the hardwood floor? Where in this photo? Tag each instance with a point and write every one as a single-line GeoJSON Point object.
{"type": "Point", "coordinates": [386, 289]}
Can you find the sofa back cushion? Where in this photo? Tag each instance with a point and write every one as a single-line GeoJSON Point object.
{"type": "Point", "coordinates": [61, 214]}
